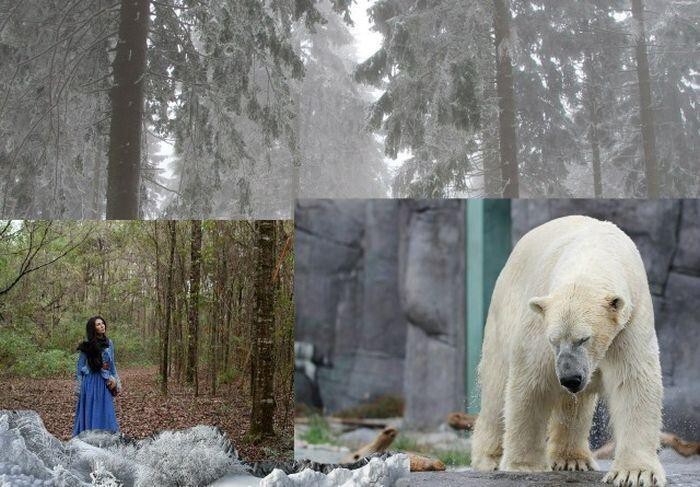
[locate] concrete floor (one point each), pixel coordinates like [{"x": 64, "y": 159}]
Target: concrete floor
[{"x": 679, "y": 472}]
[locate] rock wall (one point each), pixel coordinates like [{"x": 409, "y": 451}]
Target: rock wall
[
  {"x": 432, "y": 292},
  {"x": 667, "y": 233},
  {"x": 347, "y": 302},
  {"x": 379, "y": 292}
]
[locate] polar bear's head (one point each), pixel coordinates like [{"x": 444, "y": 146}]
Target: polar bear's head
[{"x": 581, "y": 323}]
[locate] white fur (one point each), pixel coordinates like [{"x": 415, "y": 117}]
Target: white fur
[{"x": 567, "y": 279}]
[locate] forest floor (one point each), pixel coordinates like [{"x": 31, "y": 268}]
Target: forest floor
[{"x": 143, "y": 411}]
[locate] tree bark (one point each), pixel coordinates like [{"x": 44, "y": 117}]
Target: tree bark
[
  {"x": 165, "y": 336},
  {"x": 506, "y": 100},
  {"x": 645, "y": 110},
  {"x": 262, "y": 360},
  {"x": 193, "y": 318},
  {"x": 97, "y": 195},
  {"x": 127, "y": 99},
  {"x": 593, "y": 138}
]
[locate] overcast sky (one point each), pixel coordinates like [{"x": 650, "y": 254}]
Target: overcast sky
[{"x": 366, "y": 40}]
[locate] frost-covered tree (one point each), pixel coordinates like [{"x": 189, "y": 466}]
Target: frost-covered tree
[
  {"x": 53, "y": 107},
  {"x": 578, "y": 100},
  {"x": 75, "y": 78},
  {"x": 316, "y": 144},
  {"x": 429, "y": 70},
  {"x": 340, "y": 157}
]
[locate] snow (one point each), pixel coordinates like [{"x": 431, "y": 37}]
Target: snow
[
  {"x": 394, "y": 471},
  {"x": 31, "y": 456}
]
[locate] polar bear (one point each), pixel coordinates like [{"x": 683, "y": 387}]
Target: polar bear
[{"x": 571, "y": 317}]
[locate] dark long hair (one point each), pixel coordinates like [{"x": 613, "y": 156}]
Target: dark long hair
[{"x": 92, "y": 346}]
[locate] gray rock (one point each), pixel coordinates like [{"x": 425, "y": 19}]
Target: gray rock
[
  {"x": 678, "y": 329},
  {"x": 432, "y": 288},
  {"x": 652, "y": 225},
  {"x": 688, "y": 257}
]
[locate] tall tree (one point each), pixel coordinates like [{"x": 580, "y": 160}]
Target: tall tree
[
  {"x": 645, "y": 102},
  {"x": 506, "y": 99},
  {"x": 262, "y": 358},
  {"x": 127, "y": 97},
  {"x": 593, "y": 113},
  {"x": 169, "y": 305},
  {"x": 193, "y": 318},
  {"x": 429, "y": 69}
]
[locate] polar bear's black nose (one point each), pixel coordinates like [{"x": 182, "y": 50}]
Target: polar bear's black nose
[{"x": 572, "y": 382}]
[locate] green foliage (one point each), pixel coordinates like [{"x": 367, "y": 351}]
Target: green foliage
[
  {"x": 228, "y": 376},
  {"x": 44, "y": 363},
  {"x": 19, "y": 355},
  {"x": 132, "y": 348},
  {"x": 318, "y": 432},
  {"x": 454, "y": 458}
]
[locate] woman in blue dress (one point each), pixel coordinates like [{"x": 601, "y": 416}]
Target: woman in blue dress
[{"x": 97, "y": 380}]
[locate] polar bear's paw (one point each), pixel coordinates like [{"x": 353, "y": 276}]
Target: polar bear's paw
[
  {"x": 635, "y": 478},
  {"x": 486, "y": 463},
  {"x": 577, "y": 462}
]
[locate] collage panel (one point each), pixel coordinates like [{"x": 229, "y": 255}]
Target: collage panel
[
  {"x": 231, "y": 109},
  {"x": 281, "y": 243},
  {"x": 145, "y": 352},
  {"x": 418, "y": 331}
]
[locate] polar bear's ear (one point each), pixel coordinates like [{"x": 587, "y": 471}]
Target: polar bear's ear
[
  {"x": 619, "y": 308},
  {"x": 539, "y": 304}
]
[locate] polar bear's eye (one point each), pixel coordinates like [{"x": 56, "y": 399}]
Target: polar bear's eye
[{"x": 582, "y": 341}]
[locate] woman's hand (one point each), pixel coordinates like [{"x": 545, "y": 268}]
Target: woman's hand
[{"x": 111, "y": 384}]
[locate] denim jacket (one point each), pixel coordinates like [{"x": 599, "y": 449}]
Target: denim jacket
[{"x": 83, "y": 368}]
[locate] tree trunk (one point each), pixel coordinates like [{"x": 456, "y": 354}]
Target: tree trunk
[
  {"x": 165, "y": 336},
  {"x": 262, "y": 360},
  {"x": 645, "y": 109},
  {"x": 127, "y": 98},
  {"x": 593, "y": 138},
  {"x": 193, "y": 318},
  {"x": 506, "y": 100},
  {"x": 97, "y": 194}
]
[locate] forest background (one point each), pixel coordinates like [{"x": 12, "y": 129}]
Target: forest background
[
  {"x": 247, "y": 104},
  {"x": 182, "y": 300}
]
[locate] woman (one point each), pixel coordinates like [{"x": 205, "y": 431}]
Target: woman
[{"x": 97, "y": 380}]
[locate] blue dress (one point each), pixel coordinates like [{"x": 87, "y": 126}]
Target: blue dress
[{"x": 95, "y": 409}]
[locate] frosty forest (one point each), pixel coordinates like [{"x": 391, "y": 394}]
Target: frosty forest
[
  {"x": 233, "y": 108},
  {"x": 200, "y": 313}
]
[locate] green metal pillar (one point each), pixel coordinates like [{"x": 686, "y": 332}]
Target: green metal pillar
[{"x": 488, "y": 244}]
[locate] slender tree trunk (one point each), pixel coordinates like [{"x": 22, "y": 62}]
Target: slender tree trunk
[
  {"x": 103, "y": 274},
  {"x": 165, "y": 336},
  {"x": 97, "y": 194},
  {"x": 506, "y": 100},
  {"x": 593, "y": 138},
  {"x": 645, "y": 109},
  {"x": 127, "y": 98},
  {"x": 262, "y": 360},
  {"x": 193, "y": 318}
]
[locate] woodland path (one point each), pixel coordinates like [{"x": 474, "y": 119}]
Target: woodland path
[{"x": 143, "y": 411}]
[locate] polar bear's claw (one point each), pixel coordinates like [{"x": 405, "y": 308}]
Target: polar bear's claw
[
  {"x": 634, "y": 478},
  {"x": 575, "y": 464}
]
